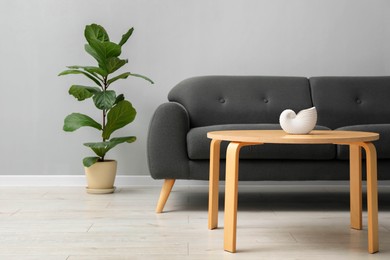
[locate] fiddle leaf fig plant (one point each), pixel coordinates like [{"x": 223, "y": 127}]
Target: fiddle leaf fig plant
[{"x": 116, "y": 111}]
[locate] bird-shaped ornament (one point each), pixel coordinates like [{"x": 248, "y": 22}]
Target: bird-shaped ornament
[{"x": 301, "y": 123}]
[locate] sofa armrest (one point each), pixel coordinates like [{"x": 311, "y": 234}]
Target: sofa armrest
[{"x": 166, "y": 145}]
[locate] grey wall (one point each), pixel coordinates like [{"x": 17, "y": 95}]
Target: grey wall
[{"x": 173, "y": 40}]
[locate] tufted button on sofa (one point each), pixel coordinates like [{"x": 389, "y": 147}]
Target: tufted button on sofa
[{"x": 179, "y": 149}]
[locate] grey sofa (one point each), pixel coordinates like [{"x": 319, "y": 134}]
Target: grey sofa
[{"x": 178, "y": 148}]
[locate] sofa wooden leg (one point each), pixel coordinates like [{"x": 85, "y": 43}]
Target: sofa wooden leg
[{"x": 164, "y": 194}]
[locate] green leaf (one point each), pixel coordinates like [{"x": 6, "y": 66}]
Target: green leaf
[
  {"x": 94, "y": 54},
  {"x": 95, "y": 32},
  {"x": 114, "y": 63},
  {"x": 102, "y": 51},
  {"x": 121, "y": 76},
  {"x": 104, "y": 100},
  {"x": 143, "y": 77},
  {"x": 89, "y": 161},
  {"x": 126, "y": 36},
  {"x": 73, "y": 71},
  {"x": 105, "y": 50},
  {"x": 101, "y": 148},
  {"x": 83, "y": 92},
  {"x": 126, "y": 75},
  {"x": 90, "y": 69},
  {"x": 76, "y": 120},
  {"x": 96, "y": 70},
  {"x": 119, "y": 98},
  {"x": 118, "y": 140},
  {"x": 119, "y": 116}
]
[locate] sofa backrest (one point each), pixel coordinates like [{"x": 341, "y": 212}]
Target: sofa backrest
[
  {"x": 212, "y": 100},
  {"x": 345, "y": 101}
]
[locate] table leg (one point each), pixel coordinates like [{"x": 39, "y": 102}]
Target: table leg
[
  {"x": 355, "y": 176},
  {"x": 214, "y": 183},
  {"x": 372, "y": 197},
  {"x": 231, "y": 192}
]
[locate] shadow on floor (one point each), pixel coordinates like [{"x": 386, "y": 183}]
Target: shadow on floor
[{"x": 254, "y": 199}]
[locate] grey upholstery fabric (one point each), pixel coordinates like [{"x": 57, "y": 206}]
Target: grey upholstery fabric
[
  {"x": 198, "y": 145},
  {"x": 217, "y": 100},
  {"x": 166, "y": 147},
  {"x": 278, "y": 170},
  {"x": 382, "y": 145},
  {"x": 287, "y": 170},
  {"x": 345, "y": 101},
  {"x": 177, "y": 147}
]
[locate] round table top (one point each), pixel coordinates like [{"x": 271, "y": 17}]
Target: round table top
[{"x": 281, "y": 137}]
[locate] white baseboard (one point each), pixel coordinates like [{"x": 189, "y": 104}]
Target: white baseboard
[
  {"x": 136, "y": 180},
  {"x": 71, "y": 180},
  {"x": 79, "y": 180}
]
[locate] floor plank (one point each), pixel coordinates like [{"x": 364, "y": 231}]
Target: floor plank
[{"x": 274, "y": 222}]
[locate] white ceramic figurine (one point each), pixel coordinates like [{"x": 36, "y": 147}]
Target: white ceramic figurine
[{"x": 301, "y": 123}]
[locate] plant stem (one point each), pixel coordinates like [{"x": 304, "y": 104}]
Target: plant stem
[
  {"x": 105, "y": 86},
  {"x": 104, "y": 111},
  {"x": 104, "y": 121}
]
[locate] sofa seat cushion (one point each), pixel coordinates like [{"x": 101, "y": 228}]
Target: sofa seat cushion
[
  {"x": 198, "y": 145},
  {"x": 382, "y": 145}
]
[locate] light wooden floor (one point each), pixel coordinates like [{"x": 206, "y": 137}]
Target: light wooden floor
[{"x": 274, "y": 222}]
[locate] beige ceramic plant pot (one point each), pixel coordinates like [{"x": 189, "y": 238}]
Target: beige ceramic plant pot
[{"x": 101, "y": 177}]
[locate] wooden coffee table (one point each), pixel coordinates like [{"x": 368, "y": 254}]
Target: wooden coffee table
[{"x": 240, "y": 138}]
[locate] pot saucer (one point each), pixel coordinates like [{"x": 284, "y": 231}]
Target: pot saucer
[{"x": 100, "y": 191}]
